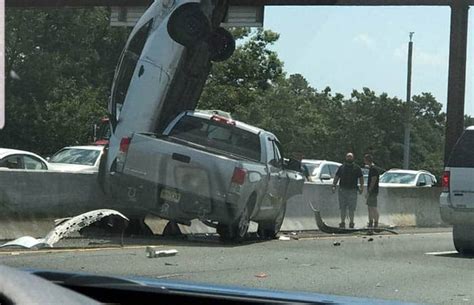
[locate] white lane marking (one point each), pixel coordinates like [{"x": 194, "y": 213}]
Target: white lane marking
[{"x": 441, "y": 253}]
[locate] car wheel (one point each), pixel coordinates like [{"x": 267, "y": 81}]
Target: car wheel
[
  {"x": 221, "y": 44},
  {"x": 237, "y": 231},
  {"x": 463, "y": 238},
  {"x": 188, "y": 25},
  {"x": 270, "y": 229}
]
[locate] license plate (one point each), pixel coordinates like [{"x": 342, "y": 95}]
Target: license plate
[{"x": 170, "y": 195}]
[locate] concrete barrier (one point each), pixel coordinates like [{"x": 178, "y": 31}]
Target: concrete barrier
[
  {"x": 43, "y": 194},
  {"x": 397, "y": 207},
  {"x": 30, "y": 200}
]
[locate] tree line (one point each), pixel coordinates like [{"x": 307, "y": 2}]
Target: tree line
[{"x": 60, "y": 65}]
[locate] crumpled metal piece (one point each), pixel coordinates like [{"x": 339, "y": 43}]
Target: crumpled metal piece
[{"x": 63, "y": 228}]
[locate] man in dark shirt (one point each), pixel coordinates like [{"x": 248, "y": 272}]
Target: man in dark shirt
[
  {"x": 348, "y": 174},
  {"x": 372, "y": 190}
]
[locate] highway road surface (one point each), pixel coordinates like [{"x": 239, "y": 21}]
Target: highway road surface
[{"x": 416, "y": 266}]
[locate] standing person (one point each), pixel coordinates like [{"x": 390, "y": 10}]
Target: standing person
[
  {"x": 372, "y": 190},
  {"x": 348, "y": 174}
]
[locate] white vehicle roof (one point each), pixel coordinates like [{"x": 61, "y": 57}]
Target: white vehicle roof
[
  {"x": 8, "y": 151},
  {"x": 408, "y": 171},
  {"x": 87, "y": 147},
  {"x": 312, "y": 161},
  {"x": 470, "y": 127}
]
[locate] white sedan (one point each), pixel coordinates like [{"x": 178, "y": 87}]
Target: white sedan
[
  {"x": 407, "y": 178},
  {"x": 77, "y": 159},
  {"x": 20, "y": 159},
  {"x": 321, "y": 171}
]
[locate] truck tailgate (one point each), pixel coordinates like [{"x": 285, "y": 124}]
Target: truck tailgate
[{"x": 180, "y": 167}]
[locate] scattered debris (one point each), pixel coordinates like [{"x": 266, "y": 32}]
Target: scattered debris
[
  {"x": 26, "y": 242},
  {"x": 261, "y": 275},
  {"x": 323, "y": 227},
  {"x": 152, "y": 252},
  {"x": 283, "y": 237},
  {"x": 334, "y": 268},
  {"x": 370, "y": 239},
  {"x": 378, "y": 285},
  {"x": 170, "y": 264},
  {"x": 63, "y": 228},
  {"x": 336, "y": 243}
]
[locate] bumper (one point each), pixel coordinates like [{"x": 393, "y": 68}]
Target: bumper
[
  {"x": 145, "y": 196},
  {"x": 454, "y": 216}
]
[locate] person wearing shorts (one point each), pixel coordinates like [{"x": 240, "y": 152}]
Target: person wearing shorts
[
  {"x": 372, "y": 190},
  {"x": 347, "y": 175}
]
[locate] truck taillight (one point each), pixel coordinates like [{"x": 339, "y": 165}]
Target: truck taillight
[
  {"x": 445, "y": 181},
  {"x": 124, "y": 144},
  {"x": 239, "y": 176}
]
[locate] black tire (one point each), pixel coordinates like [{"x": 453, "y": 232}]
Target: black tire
[
  {"x": 221, "y": 45},
  {"x": 138, "y": 227},
  {"x": 237, "y": 231},
  {"x": 270, "y": 229},
  {"x": 463, "y": 238},
  {"x": 172, "y": 230},
  {"x": 188, "y": 25}
]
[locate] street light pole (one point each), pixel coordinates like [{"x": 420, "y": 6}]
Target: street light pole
[{"x": 406, "y": 139}]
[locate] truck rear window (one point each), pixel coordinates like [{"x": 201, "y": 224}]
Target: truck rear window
[
  {"x": 463, "y": 152},
  {"x": 218, "y": 136}
]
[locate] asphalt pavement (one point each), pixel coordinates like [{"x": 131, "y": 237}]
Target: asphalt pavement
[{"x": 418, "y": 265}]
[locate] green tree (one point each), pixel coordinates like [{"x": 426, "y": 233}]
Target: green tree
[{"x": 59, "y": 66}]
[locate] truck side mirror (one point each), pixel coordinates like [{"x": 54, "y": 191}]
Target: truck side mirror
[{"x": 293, "y": 165}]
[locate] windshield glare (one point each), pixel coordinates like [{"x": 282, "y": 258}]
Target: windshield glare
[
  {"x": 76, "y": 156},
  {"x": 401, "y": 178}
]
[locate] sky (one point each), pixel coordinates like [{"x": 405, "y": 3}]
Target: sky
[{"x": 349, "y": 48}]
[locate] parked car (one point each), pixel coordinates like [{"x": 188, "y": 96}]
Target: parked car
[
  {"x": 321, "y": 171},
  {"x": 457, "y": 196},
  {"x": 407, "y": 178},
  {"x": 208, "y": 167},
  {"x": 20, "y": 159},
  {"x": 77, "y": 159}
]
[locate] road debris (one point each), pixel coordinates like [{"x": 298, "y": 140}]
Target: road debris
[
  {"x": 170, "y": 264},
  {"x": 152, "y": 252},
  {"x": 261, "y": 275},
  {"x": 378, "y": 285},
  {"x": 370, "y": 239},
  {"x": 283, "y": 237},
  {"x": 63, "y": 227},
  {"x": 336, "y": 243}
]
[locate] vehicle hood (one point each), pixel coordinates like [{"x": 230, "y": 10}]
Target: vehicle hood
[
  {"x": 396, "y": 185},
  {"x": 65, "y": 167}
]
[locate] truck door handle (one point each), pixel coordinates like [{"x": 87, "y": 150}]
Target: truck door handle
[
  {"x": 181, "y": 158},
  {"x": 458, "y": 194}
]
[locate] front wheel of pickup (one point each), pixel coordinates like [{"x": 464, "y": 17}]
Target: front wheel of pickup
[
  {"x": 237, "y": 231},
  {"x": 269, "y": 229},
  {"x": 463, "y": 238}
]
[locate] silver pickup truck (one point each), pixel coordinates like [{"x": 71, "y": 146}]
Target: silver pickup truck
[{"x": 208, "y": 167}]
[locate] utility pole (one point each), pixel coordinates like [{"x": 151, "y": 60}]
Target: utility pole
[{"x": 406, "y": 139}]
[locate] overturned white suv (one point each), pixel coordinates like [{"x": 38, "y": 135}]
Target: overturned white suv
[{"x": 457, "y": 197}]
